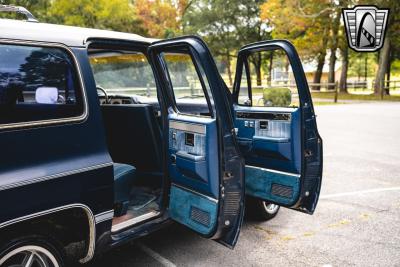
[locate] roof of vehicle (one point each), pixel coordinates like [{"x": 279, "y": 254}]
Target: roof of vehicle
[{"x": 68, "y": 35}]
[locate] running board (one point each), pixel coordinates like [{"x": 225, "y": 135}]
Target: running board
[{"x": 120, "y": 226}]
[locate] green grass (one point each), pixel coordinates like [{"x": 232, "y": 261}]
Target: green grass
[
  {"x": 346, "y": 96},
  {"x": 325, "y": 103}
]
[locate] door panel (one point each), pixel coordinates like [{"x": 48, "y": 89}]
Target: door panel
[
  {"x": 193, "y": 153},
  {"x": 203, "y": 161},
  {"x": 276, "y": 127},
  {"x": 267, "y": 139}
]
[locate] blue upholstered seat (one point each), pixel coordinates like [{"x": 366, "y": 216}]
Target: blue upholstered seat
[{"x": 124, "y": 175}]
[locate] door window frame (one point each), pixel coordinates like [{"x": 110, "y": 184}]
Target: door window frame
[
  {"x": 182, "y": 49},
  {"x": 243, "y": 55}
]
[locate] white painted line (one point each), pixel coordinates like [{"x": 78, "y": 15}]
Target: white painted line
[
  {"x": 360, "y": 192},
  {"x": 155, "y": 255}
]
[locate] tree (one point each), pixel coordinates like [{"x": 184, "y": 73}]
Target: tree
[
  {"x": 160, "y": 18},
  {"x": 37, "y": 7},
  {"x": 105, "y": 14},
  {"x": 384, "y": 55},
  {"x": 334, "y": 41},
  {"x": 344, "y": 50},
  {"x": 226, "y": 26},
  {"x": 391, "y": 44},
  {"x": 306, "y": 23}
]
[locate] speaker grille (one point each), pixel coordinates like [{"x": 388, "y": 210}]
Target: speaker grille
[
  {"x": 200, "y": 216},
  {"x": 282, "y": 190},
  {"x": 232, "y": 203}
]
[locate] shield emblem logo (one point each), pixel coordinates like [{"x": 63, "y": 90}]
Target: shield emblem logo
[{"x": 365, "y": 27}]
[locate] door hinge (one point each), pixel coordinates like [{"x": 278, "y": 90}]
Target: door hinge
[
  {"x": 308, "y": 153},
  {"x": 228, "y": 175}
]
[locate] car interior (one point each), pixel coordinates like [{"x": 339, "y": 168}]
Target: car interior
[
  {"x": 133, "y": 133},
  {"x": 133, "y": 127}
]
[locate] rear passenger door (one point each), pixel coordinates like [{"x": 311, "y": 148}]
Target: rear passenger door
[
  {"x": 203, "y": 161},
  {"x": 276, "y": 126}
]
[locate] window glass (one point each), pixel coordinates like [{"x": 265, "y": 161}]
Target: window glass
[
  {"x": 186, "y": 83},
  {"x": 124, "y": 73},
  {"x": 272, "y": 80},
  {"x": 37, "y": 83}
]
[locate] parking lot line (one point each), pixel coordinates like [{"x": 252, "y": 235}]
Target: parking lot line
[
  {"x": 360, "y": 192},
  {"x": 155, "y": 255}
]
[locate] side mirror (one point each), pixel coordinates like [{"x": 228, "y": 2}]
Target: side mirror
[
  {"x": 247, "y": 102},
  {"x": 46, "y": 95}
]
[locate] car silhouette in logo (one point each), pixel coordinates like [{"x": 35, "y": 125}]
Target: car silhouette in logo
[{"x": 365, "y": 27}]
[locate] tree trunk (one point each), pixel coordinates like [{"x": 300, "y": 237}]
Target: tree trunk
[
  {"x": 388, "y": 74},
  {"x": 228, "y": 66},
  {"x": 382, "y": 67},
  {"x": 343, "y": 74},
  {"x": 318, "y": 72},
  {"x": 258, "y": 74},
  {"x": 332, "y": 62},
  {"x": 334, "y": 46},
  {"x": 271, "y": 61},
  {"x": 257, "y": 66},
  {"x": 320, "y": 63}
]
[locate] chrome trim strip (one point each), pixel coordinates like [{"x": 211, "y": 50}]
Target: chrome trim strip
[
  {"x": 91, "y": 221},
  {"x": 275, "y": 171},
  {"x": 196, "y": 193},
  {"x": 104, "y": 216},
  {"x": 54, "y": 176},
  {"x": 187, "y": 127},
  {"x": 120, "y": 226},
  {"x": 82, "y": 85}
]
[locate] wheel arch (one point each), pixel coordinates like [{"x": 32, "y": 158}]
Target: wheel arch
[{"x": 91, "y": 224}]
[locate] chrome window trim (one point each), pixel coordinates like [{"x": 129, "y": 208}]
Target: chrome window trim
[
  {"x": 187, "y": 126},
  {"x": 89, "y": 214},
  {"x": 275, "y": 171},
  {"x": 82, "y": 87},
  {"x": 54, "y": 176}
]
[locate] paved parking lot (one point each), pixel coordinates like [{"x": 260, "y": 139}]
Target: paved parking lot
[{"x": 357, "y": 221}]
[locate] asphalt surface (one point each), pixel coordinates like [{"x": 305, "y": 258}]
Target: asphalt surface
[{"x": 357, "y": 221}]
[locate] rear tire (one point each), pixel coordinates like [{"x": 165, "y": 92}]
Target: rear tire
[
  {"x": 261, "y": 210},
  {"x": 34, "y": 249}
]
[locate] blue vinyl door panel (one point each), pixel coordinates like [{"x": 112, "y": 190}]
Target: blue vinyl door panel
[
  {"x": 270, "y": 141},
  {"x": 281, "y": 145},
  {"x": 194, "y": 167}
]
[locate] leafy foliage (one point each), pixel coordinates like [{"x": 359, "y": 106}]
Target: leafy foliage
[
  {"x": 105, "y": 14},
  {"x": 159, "y": 18},
  {"x": 277, "y": 97}
]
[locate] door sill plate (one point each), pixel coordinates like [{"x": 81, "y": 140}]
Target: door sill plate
[{"x": 122, "y": 225}]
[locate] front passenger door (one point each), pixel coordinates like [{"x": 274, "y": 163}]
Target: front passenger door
[{"x": 276, "y": 126}]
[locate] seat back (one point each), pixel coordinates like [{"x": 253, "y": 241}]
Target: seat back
[{"x": 133, "y": 136}]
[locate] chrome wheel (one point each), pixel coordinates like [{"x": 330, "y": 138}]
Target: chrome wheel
[
  {"x": 270, "y": 208},
  {"x": 29, "y": 256}
]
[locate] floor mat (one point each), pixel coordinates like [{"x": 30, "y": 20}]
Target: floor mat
[{"x": 140, "y": 199}]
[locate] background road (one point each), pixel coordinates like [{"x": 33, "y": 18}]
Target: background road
[{"x": 357, "y": 221}]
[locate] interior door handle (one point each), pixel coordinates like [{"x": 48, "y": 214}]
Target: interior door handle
[{"x": 188, "y": 156}]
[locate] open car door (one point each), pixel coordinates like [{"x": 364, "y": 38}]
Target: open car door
[
  {"x": 276, "y": 126},
  {"x": 203, "y": 161}
]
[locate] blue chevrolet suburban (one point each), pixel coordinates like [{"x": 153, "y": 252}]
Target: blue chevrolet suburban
[{"x": 107, "y": 136}]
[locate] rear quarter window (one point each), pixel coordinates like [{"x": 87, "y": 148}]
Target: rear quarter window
[{"x": 37, "y": 84}]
